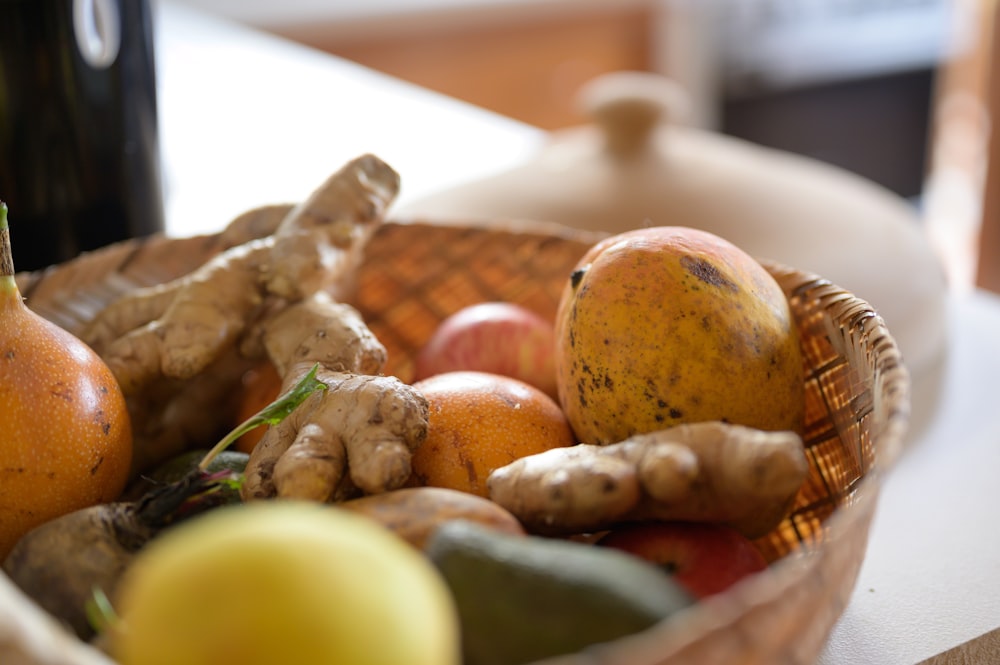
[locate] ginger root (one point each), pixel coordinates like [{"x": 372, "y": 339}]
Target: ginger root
[
  {"x": 180, "y": 349},
  {"x": 177, "y": 329},
  {"x": 358, "y": 435},
  {"x": 708, "y": 472}
]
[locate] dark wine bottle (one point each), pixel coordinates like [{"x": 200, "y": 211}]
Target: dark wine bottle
[{"x": 79, "y": 151}]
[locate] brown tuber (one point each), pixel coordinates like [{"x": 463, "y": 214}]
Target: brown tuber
[
  {"x": 357, "y": 437},
  {"x": 413, "y": 513},
  {"x": 179, "y": 349},
  {"x": 706, "y": 472},
  {"x": 60, "y": 563}
]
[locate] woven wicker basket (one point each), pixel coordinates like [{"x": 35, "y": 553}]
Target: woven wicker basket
[{"x": 857, "y": 393}]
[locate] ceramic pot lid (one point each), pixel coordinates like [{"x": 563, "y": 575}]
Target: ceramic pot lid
[{"x": 633, "y": 167}]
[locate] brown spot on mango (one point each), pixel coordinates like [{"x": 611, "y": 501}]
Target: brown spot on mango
[{"x": 706, "y": 272}]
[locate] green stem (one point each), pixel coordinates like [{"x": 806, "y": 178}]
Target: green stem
[
  {"x": 100, "y": 613},
  {"x": 272, "y": 414},
  {"x": 6, "y": 253}
]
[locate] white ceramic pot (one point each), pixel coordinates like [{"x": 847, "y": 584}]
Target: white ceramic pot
[{"x": 633, "y": 168}]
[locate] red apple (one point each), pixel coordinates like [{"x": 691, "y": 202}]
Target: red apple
[
  {"x": 705, "y": 559},
  {"x": 496, "y": 337}
]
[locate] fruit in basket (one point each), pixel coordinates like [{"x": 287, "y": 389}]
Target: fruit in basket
[
  {"x": 667, "y": 325},
  {"x": 478, "y": 422},
  {"x": 522, "y": 599},
  {"x": 703, "y": 558},
  {"x": 283, "y": 582},
  {"x": 67, "y": 437},
  {"x": 60, "y": 563},
  {"x": 496, "y": 337}
]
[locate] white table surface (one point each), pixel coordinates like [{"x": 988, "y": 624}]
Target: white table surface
[
  {"x": 247, "y": 120},
  {"x": 931, "y": 576}
]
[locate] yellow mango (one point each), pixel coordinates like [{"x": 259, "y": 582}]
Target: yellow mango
[{"x": 667, "y": 325}]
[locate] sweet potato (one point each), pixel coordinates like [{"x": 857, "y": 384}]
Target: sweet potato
[{"x": 413, "y": 513}]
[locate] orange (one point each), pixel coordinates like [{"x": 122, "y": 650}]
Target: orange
[{"x": 479, "y": 422}]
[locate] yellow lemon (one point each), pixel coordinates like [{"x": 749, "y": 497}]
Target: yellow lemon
[{"x": 283, "y": 582}]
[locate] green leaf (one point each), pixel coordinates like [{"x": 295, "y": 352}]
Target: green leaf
[{"x": 272, "y": 414}]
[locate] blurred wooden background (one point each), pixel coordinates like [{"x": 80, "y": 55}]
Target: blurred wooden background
[
  {"x": 525, "y": 64},
  {"x": 925, "y": 134},
  {"x": 963, "y": 186}
]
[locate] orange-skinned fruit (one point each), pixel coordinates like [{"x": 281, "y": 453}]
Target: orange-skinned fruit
[
  {"x": 479, "y": 422},
  {"x": 67, "y": 438},
  {"x": 667, "y": 325}
]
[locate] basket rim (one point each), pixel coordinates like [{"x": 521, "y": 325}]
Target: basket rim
[
  {"x": 717, "y": 613},
  {"x": 891, "y": 377}
]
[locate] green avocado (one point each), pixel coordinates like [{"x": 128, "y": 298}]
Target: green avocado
[{"x": 524, "y": 598}]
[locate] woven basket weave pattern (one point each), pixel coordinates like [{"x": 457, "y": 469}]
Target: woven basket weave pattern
[
  {"x": 856, "y": 409},
  {"x": 415, "y": 274}
]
